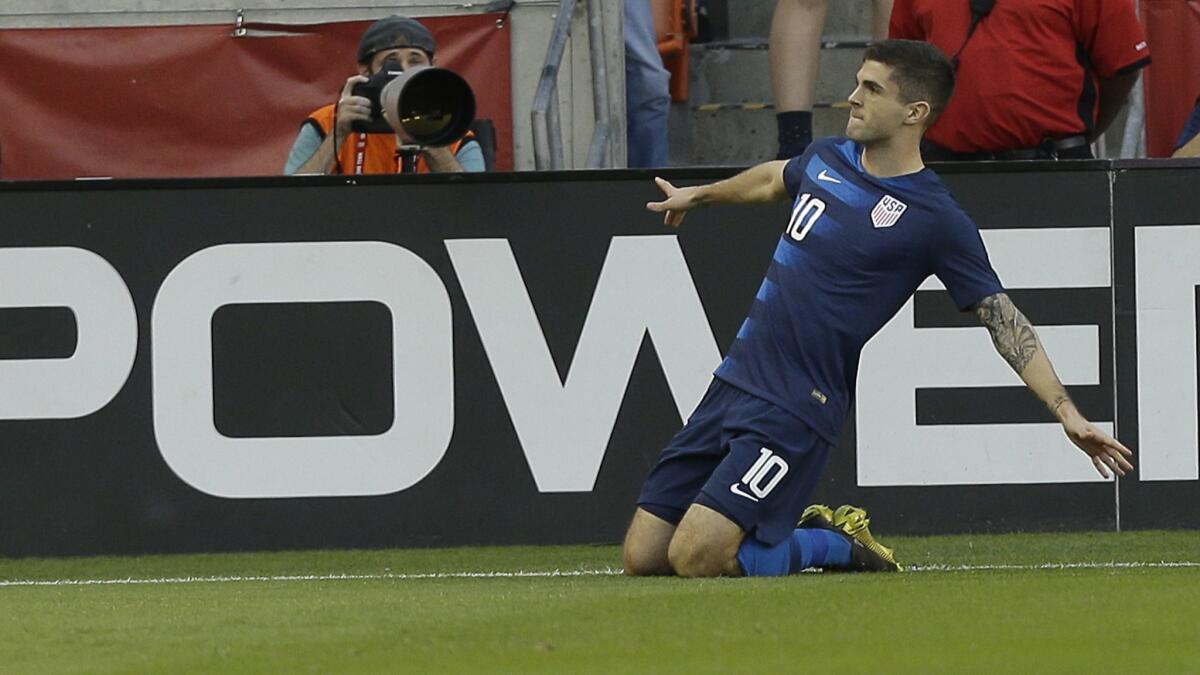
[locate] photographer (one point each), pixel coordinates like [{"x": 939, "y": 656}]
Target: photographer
[{"x": 328, "y": 142}]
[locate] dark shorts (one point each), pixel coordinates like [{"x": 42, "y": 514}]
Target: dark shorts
[{"x": 744, "y": 457}]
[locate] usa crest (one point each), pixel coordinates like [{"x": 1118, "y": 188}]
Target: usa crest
[{"x": 887, "y": 211}]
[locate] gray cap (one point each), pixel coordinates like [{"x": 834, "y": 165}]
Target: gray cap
[{"x": 394, "y": 32}]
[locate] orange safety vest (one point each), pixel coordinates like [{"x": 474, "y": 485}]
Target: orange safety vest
[{"x": 369, "y": 153}]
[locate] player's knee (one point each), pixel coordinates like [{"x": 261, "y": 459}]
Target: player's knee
[
  {"x": 705, "y": 544},
  {"x": 641, "y": 560},
  {"x": 644, "y": 556},
  {"x": 645, "y": 550},
  {"x": 690, "y": 557},
  {"x": 684, "y": 560}
]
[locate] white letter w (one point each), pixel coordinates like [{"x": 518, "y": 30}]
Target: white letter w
[{"x": 564, "y": 429}]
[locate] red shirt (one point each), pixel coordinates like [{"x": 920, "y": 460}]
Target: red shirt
[{"x": 1030, "y": 71}]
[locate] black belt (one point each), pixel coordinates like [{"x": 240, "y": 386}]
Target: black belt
[{"x": 1071, "y": 147}]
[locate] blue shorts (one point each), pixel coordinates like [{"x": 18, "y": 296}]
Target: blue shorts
[{"x": 746, "y": 458}]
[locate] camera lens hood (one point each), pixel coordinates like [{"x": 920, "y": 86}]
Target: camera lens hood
[{"x": 435, "y": 106}]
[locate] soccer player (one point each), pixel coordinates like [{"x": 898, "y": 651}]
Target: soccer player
[{"x": 869, "y": 223}]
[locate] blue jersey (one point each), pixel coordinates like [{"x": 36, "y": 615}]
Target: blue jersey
[{"x": 855, "y": 250}]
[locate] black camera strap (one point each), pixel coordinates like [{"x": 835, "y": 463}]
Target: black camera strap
[
  {"x": 979, "y": 11},
  {"x": 337, "y": 158},
  {"x": 360, "y": 148}
]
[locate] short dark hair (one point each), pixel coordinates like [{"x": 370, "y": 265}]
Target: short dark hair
[{"x": 921, "y": 71}]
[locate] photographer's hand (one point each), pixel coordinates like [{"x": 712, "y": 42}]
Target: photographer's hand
[
  {"x": 441, "y": 160},
  {"x": 351, "y": 108}
]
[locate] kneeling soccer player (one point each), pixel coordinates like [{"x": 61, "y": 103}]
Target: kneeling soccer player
[{"x": 869, "y": 223}]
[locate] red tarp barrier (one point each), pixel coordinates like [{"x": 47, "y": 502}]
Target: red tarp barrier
[
  {"x": 1173, "y": 79},
  {"x": 196, "y": 101}
]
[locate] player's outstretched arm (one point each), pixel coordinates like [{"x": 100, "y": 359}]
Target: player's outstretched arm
[
  {"x": 1017, "y": 341},
  {"x": 762, "y": 183}
]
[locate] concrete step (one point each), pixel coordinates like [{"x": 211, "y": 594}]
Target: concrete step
[
  {"x": 742, "y": 134},
  {"x": 752, "y": 18},
  {"x": 741, "y": 71}
]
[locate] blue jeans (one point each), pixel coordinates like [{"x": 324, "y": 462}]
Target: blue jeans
[
  {"x": 1190, "y": 129},
  {"x": 647, "y": 93}
]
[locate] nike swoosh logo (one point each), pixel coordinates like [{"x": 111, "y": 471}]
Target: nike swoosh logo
[
  {"x": 826, "y": 177},
  {"x": 737, "y": 490}
]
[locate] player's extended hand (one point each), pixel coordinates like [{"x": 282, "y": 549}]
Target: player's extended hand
[
  {"x": 678, "y": 202},
  {"x": 1106, "y": 452}
]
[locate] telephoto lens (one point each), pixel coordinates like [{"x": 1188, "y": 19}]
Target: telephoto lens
[{"x": 434, "y": 106}]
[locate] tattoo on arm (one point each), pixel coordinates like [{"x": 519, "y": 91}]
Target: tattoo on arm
[{"x": 1011, "y": 332}]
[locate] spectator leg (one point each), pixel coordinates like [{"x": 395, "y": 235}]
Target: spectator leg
[
  {"x": 647, "y": 89},
  {"x": 881, "y": 14},
  {"x": 795, "y": 57}
]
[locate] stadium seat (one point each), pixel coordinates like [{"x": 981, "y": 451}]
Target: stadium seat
[{"x": 485, "y": 135}]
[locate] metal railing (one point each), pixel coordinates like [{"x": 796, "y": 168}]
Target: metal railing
[{"x": 545, "y": 118}]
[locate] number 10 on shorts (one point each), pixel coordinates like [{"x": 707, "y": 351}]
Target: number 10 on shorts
[{"x": 760, "y": 480}]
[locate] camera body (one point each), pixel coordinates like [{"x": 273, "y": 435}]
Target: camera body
[{"x": 372, "y": 90}]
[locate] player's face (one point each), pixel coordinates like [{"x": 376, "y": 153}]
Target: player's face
[{"x": 876, "y": 111}]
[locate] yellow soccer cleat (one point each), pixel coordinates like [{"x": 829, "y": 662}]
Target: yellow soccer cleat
[
  {"x": 869, "y": 555},
  {"x": 817, "y": 515}
]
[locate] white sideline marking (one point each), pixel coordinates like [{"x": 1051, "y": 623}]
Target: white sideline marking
[
  {"x": 1050, "y": 566},
  {"x": 607, "y": 571},
  {"x": 603, "y": 572}
]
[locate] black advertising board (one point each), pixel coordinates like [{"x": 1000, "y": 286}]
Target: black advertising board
[
  {"x": 316, "y": 363},
  {"x": 102, "y": 482},
  {"x": 1157, "y": 233}
]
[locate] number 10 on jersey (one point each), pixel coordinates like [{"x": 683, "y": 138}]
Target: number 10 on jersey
[{"x": 804, "y": 215}]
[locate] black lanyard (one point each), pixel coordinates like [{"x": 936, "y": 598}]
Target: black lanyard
[{"x": 979, "y": 10}]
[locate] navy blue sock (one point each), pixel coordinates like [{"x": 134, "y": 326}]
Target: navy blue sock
[
  {"x": 807, "y": 547},
  {"x": 795, "y": 132}
]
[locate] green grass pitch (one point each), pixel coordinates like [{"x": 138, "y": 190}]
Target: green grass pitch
[{"x": 1078, "y": 603}]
